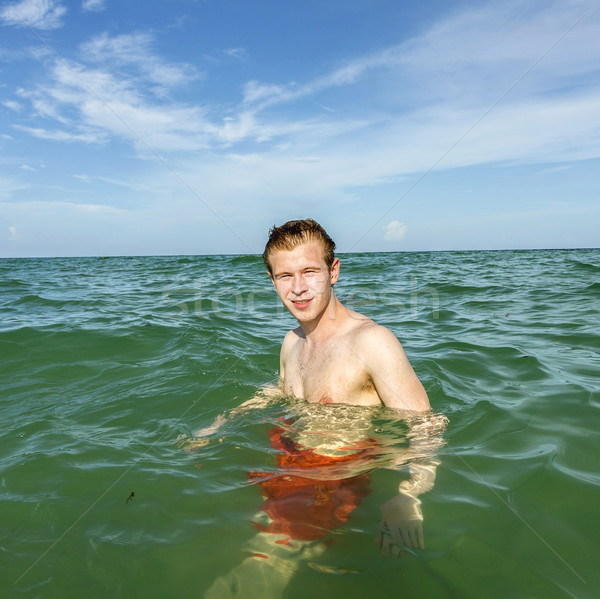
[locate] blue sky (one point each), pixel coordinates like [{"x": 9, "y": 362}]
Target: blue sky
[{"x": 191, "y": 127}]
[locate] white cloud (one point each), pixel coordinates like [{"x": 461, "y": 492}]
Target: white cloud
[
  {"x": 461, "y": 113},
  {"x": 509, "y": 38},
  {"x": 395, "y": 231},
  {"x": 474, "y": 56},
  {"x": 46, "y": 108},
  {"x": 84, "y": 178},
  {"x": 12, "y": 105},
  {"x": 117, "y": 97},
  {"x": 93, "y": 5},
  {"x": 254, "y": 90},
  {"x": 43, "y": 206},
  {"x": 94, "y": 103},
  {"x": 13, "y": 231},
  {"x": 235, "y": 52},
  {"x": 57, "y": 135},
  {"x": 132, "y": 186},
  {"x": 39, "y": 14},
  {"x": 136, "y": 50},
  {"x": 478, "y": 54}
]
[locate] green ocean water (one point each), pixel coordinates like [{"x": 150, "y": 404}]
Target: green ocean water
[{"x": 106, "y": 362}]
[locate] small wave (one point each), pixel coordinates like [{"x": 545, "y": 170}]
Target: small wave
[
  {"x": 245, "y": 259},
  {"x": 13, "y": 284},
  {"x": 577, "y": 474},
  {"x": 454, "y": 288},
  {"x": 584, "y": 266},
  {"x": 489, "y": 305},
  {"x": 34, "y": 298}
]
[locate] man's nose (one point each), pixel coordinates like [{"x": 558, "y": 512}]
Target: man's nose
[{"x": 298, "y": 285}]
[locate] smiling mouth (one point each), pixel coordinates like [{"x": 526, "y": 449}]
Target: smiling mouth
[{"x": 301, "y": 303}]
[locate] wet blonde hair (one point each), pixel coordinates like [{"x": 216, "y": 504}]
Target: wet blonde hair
[{"x": 296, "y": 232}]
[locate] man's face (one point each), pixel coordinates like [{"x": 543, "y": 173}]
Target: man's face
[{"x": 302, "y": 280}]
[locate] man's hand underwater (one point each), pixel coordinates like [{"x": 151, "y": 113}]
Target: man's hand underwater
[
  {"x": 402, "y": 525},
  {"x": 200, "y": 438}
]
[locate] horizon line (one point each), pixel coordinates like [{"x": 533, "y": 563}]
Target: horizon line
[{"x": 258, "y": 255}]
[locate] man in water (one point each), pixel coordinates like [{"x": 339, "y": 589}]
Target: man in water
[{"x": 336, "y": 355}]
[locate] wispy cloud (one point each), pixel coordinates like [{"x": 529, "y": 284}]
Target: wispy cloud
[
  {"x": 453, "y": 72},
  {"x": 471, "y": 57},
  {"x": 93, "y": 5},
  {"x": 58, "y": 135},
  {"x": 255, "y": 91},
  {"x": 39, "y": 14},
  {"x": 348, "y": 139},
  {"x": 235, "y": 52},
  {"x": 119, "y": 93},
  {"x": 135, "y": 52},
  {"x": 133, "y": 186},
  {"x": 12, "y": 105}
]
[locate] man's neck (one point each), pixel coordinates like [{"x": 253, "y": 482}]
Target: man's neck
[{"x": 327, "y": 324}]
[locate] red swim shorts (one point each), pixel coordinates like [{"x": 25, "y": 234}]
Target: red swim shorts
[{"x": 304, "y": 507}]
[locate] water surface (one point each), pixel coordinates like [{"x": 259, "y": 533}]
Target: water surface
[{"x": 106, "y": 362}]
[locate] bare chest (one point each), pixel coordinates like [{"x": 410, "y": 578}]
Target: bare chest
[{"x": 329, "y": 375}]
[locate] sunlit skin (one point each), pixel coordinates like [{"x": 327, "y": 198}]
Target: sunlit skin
[{"x": 337, "y": 355}]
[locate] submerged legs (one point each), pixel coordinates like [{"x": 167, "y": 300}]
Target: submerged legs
[{"x": 271, "y": 563}]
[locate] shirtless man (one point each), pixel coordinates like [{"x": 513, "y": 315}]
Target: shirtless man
[{"x": 336, "y": 355}]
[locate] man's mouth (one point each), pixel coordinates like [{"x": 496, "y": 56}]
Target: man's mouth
[{"x": 302, "y": 303}]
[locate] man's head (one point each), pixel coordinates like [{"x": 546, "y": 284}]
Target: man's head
[
  {"x": 294, "y": 233},
  {"x": 303, "y": 269}
]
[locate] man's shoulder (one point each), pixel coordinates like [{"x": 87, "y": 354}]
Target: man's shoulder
[
  {"x": 294, "y": 334},
  {"x": 374, "y": 343},
  {"x": 291, "y": 338},
  {"x": 364, "y": 329},
  {"x": 368, "y": 333}
]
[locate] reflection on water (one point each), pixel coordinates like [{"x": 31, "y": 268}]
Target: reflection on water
[{"x": 325, "y": 456}]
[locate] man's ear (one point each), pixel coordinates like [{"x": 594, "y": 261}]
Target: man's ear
[
  {"x": 334, "y": 272},
  {"x": 272, "y": 280}
]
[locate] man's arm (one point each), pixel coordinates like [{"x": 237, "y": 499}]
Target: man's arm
[
  {"x": 259, "y": 400},
  {"x": 402, "y": 518},
  {"x": 289, "y": 341},
  {"x": 394, "y": 378}
]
